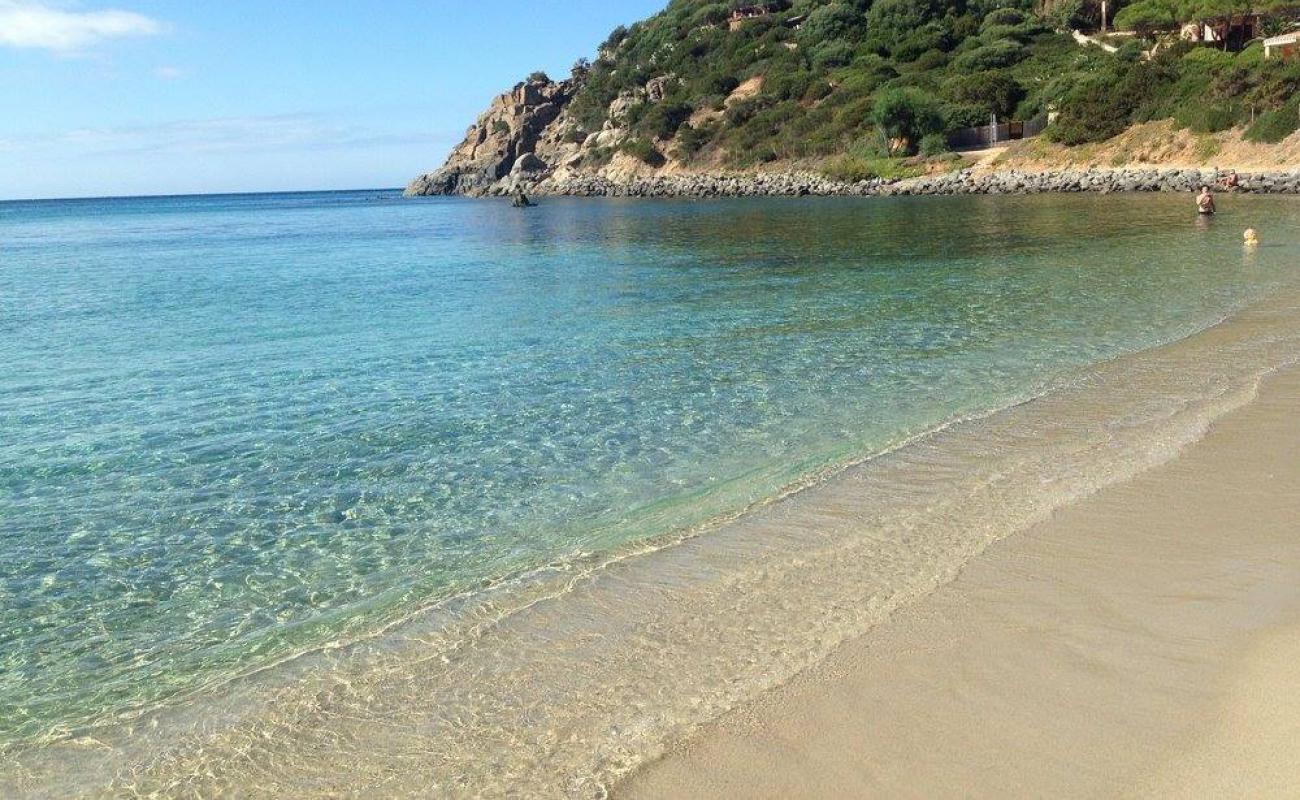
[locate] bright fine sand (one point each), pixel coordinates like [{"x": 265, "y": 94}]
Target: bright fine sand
[{"x": 1143, "y": 642}]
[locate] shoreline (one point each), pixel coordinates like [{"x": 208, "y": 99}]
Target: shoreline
[
  {"x": 670, "y": 641},
  {"x": 806, "y": 183},
  {"x": 1138, "y": 643}
]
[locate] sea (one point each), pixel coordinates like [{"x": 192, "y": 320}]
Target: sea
[{"x": 347, "y": 494}]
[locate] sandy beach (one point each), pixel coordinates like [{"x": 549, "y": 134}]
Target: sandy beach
[
  {"x": 1010, "y": 524},
  {"x": 1143, "y": 642}
]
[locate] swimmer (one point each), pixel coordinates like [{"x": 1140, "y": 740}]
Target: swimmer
[
  {"x": 1205, "y": 201},
  {"x": 1249, "y": 239}
]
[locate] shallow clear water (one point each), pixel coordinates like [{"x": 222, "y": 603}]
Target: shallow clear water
[{"x": 233, "y": 429}]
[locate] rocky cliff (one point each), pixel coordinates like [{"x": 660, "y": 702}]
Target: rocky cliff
[
  {"x": 500, "y": 150},
  {"x": 527, "y": 139}
]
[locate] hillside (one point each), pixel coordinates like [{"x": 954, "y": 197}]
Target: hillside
[{"x": 853, "y": 90}]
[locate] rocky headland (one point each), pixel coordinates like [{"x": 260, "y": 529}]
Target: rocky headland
[{"x": 527, "y": 141}]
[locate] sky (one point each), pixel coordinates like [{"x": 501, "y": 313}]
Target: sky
[{"x": 131, "y": 97}]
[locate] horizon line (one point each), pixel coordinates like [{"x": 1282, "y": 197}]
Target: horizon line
[{"x": 175, "y": 195}]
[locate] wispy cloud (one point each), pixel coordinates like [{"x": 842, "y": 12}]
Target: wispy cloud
[
  {"x": 40, "y": 25},
  {"x": 167, "y": 72},
  {"x": 304, "y": 131}
]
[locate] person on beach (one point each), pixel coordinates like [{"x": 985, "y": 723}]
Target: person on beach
[
  {"x": 1205, "y": 201},
  {"x": 1229, "y": 181}
]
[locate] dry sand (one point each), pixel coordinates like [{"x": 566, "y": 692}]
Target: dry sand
[
  {"x": 1153, "y": 144},
  {"x": 1144, "y": 642}
]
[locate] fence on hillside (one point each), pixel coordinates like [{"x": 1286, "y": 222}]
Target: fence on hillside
[{"x": 995, "y": 132}]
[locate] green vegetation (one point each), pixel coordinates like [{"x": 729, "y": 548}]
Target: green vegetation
[
  {"x": 1146, "y": 16},
  {"x": 643, "y": 150},
  {"x": 1276, "y": 125},
  {"x": 861, "y": 81},
  {"x": 1201, "y": 89}
]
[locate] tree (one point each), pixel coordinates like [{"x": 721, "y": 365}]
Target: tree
[
  {"x": 891, "y": 21},
  {"x": 830, "y": 22},
  {"x": 905, "y": 114},
  {"x": 994, "y": 55},
  {"x": 997, "y": 91},
  {"x": 1146, "y": 17}
]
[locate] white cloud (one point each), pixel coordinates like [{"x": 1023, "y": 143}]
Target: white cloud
[
  {"x": 28, "y": 23},
  {"x": 169, "y": 73}
]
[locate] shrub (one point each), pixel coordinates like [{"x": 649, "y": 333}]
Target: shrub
[
  {"x": 1252, "y": 56},
  {"x": 692, "y": 140},
  {"x": 995, "y": 92},
  {"x": 930, "y": 60},
  {"x": 1003, "y": 16},
  {"x": 711, "y": 14},
  {"x": 1130, "y": 51},
  {"x": 740, "y": 112},
  {"x": 1109, "y": 102},
  {"x": 1274, "y": 126},
  {"x": 500, "y": 126},
  {"x": 933, "y": 144},
  {"x": 1018, "y": 33},
  {"x": 787, "y": 84},
  {"x": 906, "y": 114},
  {"x": 892, "y": 21},
  {"x": 663, "y": 119},
  {"x": 720, "y": 83},
  {"x": 1073, "y": 14},
  {"x": 1146, "y": 16},
  {"x": 960, "y": 115},
  {"x": 1092, "y": 113},
  {"x": 829, "y": 22},
  {"x": 854, "y": 168},
  {"x": 932, "y": 36},
  {"x": 538, "y": 77},
  {"x": 1204, "y": 118},
  {"x": 574, "y": 136},
  {"x": 616, "y": 37},
  {"x": 1209, "y": 58},
  {"x": 1207, "y": 147},
  {"x": 644, "y": 151},
  {"x": 1002, "y": 53},
  {"x": 597, "y": 157},
  {"x": 835, "y": 53}
]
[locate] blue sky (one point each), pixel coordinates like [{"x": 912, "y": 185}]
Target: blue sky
[{"x": 124, "y": 97}]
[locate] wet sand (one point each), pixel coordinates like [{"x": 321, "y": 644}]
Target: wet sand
[{"x": 1144, "y": 641}]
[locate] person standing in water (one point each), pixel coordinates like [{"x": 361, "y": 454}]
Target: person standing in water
[
  {"x": 1205, "y": 201},
  {"x": 520, "y": 199}
]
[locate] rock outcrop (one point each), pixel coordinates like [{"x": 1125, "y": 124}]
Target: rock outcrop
[
  {"x": 504, "y": 141},
  {"x": 528, "y": 139}
]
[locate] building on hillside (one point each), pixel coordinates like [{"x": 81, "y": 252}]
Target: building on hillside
[
  {"x": 1286, "y": 46},
  {"x": 743, "y": 13},
  {"x": 1233, "y": 33}
]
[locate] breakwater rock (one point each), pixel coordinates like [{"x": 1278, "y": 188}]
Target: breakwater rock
[
  {"x": 798, "y": 184},
  {"x": 1094, "y": 180},
  {"x": 774, "y": 184}
]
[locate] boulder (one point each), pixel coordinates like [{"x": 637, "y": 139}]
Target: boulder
[{"x": 529, "y": 162}]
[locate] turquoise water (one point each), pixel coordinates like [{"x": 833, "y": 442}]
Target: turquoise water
[{"x": 237, "y": 428}]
